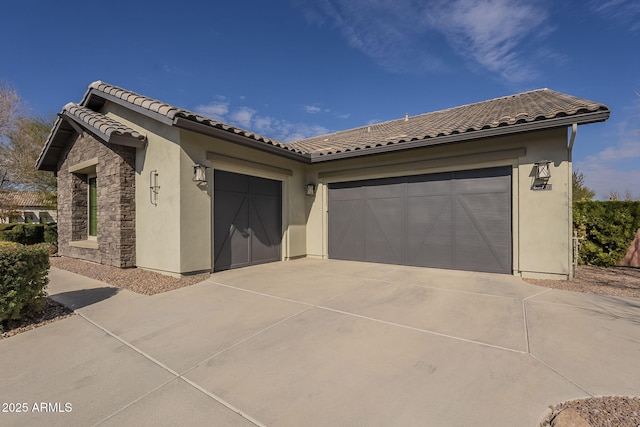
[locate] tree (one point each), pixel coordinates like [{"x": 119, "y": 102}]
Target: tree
[
  {"x": 25, "y": 142},
  {"x": 580, "y": 190},
  {"x": 11, "y": 106},
  {"x": 21, "y": 140}
]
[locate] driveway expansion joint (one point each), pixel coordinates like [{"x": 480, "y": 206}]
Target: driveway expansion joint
[{"x": 172, "y": 372}]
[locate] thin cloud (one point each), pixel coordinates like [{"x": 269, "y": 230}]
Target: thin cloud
[
  {"x": 215, "y": 110},
  {"x": 625, "y": 11},
  {"x": 390, "y": 32},
  {"x": 491, "y": 32},
  {"x": 312, "y": 109},
  {"x": 243, "y": 116},
  {"x": 250, "y": 119},
  {"x": 403, "y": 36}
]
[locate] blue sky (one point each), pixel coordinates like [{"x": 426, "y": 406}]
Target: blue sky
[{"x": 297, "y": 68}]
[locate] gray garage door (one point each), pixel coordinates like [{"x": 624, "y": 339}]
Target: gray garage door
[
  {"x": 458, "y": 220},
  {"x": 247, "y": 220}
]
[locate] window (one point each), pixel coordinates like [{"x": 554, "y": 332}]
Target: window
[{"x": 93, "y": 207}]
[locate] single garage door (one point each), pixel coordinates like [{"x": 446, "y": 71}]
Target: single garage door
[
  {"x": 457, "y": 220},
  {"x": 247, "y": 220}
]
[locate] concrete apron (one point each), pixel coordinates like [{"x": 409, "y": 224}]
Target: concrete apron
[{"x": 322, "y": 342}]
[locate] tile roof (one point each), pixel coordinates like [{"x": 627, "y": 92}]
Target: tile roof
[
  {"x": 23, "y": 198},
  {"x": 537, "y": 105},
  {"x": 172, "y": 113},
  {"x": 534, "y": 110},
  {"x": 100, "y": 122}
]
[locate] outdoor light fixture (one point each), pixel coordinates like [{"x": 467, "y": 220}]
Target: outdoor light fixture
[
  {"x": 541, "y": 174},
  {"x": 543, "y": 169},
  {"x": 311, "y": 189},
  {"x": 199, "y": 173}
]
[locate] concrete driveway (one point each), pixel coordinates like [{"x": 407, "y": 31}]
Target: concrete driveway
[{"x": 321, "y": 343}]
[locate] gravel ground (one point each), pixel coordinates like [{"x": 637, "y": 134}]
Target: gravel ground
[
  {"x": 598, "y": 412},
  {"x": 611, "y": 411},
  {"x": 617, "y": 281},
  {"x": 52, "y": 312},
  {"x": 134, "y": 279}
]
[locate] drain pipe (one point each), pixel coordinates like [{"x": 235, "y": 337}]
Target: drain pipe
[
  {"x": 572, "y": 139},
  {"x": 572, "y": 262}
]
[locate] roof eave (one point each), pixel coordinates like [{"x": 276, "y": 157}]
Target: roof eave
[
  {"x": 581, "y": 119},
  {"x": 240, "y": 139},
  {"x": 46, "y": 152},
  {"x": 111, "y": 138}
]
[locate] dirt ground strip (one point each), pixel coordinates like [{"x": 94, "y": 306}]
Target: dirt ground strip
[{"x": 616, "y": 281}]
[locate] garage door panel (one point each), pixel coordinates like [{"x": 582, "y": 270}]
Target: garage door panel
[
  {"x": 231, "y": 245},
  {"x": 384, "y": 230},
  {"x": 438, "y": 184},
  {"x": 265, "y": 241},
  {"x": 429, "y": 221},
  {"x": 458, "y": 220},
  {"x": 348, "y": 229},
  {"x": 382, "y": 189}
]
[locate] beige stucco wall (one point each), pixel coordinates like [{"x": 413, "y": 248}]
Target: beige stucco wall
[
  {"x": 158, "y": 226},
  {"x": 176, "y": 235},
  {"x": 540, "y": 219}
]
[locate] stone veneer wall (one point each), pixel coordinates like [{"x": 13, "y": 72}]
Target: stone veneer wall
[{"x": 115, "y": 173}]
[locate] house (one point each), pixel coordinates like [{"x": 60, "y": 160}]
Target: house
[
  {"x": 26, "y": 206},
  {"x": 481, "y": 187}
]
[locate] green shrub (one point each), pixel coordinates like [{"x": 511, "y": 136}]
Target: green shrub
[
  {"x": 606, "y": 229},
  {"x": 4, "y": 227},
  {"x": 51, "y": 234},
  {"x": 26, "y": 234},
  {"x": 23, "y": 279}
]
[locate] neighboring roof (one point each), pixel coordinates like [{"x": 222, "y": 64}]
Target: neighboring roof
[
  {"x": 543, "y": 105},
  {"x": 23, "y": 199},
  {"x": 524, "y": 112}
]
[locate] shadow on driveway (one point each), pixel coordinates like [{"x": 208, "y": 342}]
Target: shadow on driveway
[{"x": 84, "y": 297}]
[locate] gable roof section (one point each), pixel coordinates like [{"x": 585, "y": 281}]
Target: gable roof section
[
  {"x": 524, "y": 112},
  {"x": 99, "y": 92},
  {"x": 539, "y": 109},
  {"x": 75, "y": 119}
]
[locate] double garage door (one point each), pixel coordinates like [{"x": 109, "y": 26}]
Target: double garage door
[{"x": 457, "y": 220}]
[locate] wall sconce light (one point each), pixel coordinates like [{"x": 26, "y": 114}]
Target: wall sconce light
[
  {"x": 199, "y": 173},
  {"x": 311, "y": 189},
  {"x": 542, "y": 173},
  {"x": 154, "y": 188},
  {"x": 543, "y": 169}
]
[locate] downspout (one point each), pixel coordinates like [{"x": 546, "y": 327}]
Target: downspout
[{"x": 572, "y": 139}]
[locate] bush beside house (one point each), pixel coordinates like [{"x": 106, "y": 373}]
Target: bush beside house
[
  {"x": 23, "y": 278},
  {"x": 29, "y": 234},
  {"x": 606, "y": 230}
]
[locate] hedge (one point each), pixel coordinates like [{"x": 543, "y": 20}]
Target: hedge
[
  {"x": 606, "y": 230},
  {"x": 29, "y": 234},
  {"x": 23, "y": 279}
]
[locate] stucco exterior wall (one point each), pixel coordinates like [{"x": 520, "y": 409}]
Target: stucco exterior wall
[
  {"x": 157, "y": 223},
  {"x": 540, "y": 219}
]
